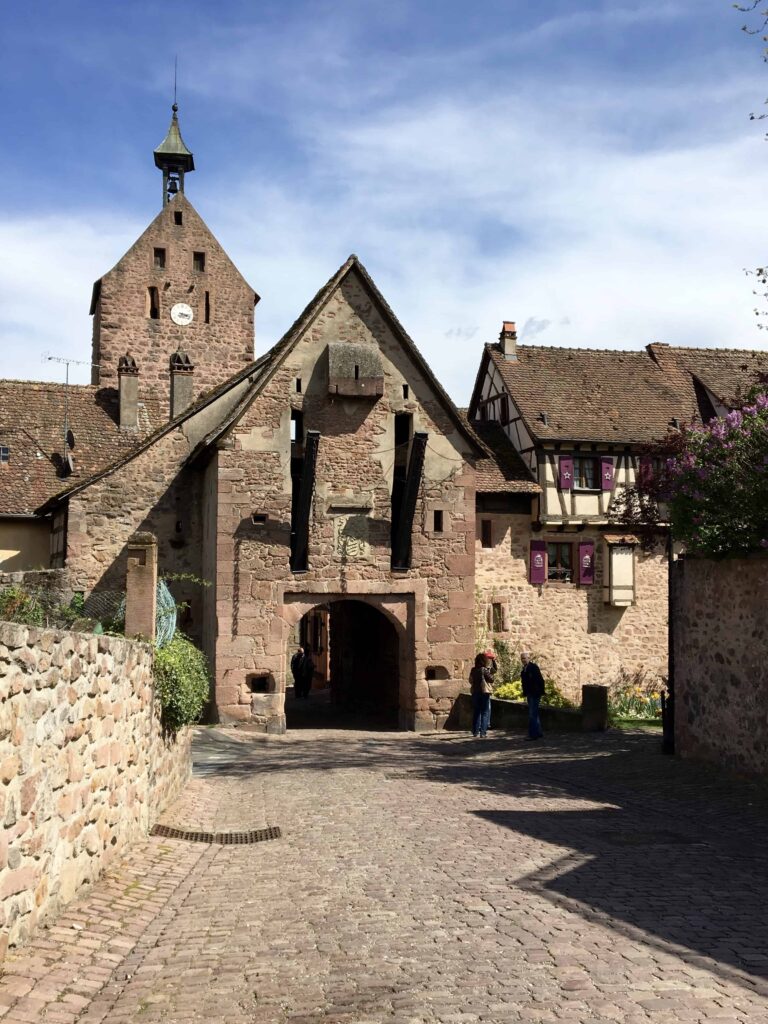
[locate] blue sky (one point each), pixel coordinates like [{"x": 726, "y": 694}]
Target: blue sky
[{"x": 585, "y": 168}]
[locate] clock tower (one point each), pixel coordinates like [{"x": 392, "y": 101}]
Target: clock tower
[{"x": 175, "y": 289}]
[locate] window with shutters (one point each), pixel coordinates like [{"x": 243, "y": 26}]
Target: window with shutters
[
  {"x": 586, "y": 473},
  {"x": 559, "y": 563}
]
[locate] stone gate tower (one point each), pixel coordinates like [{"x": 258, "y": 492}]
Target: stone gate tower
[{"x": 174, "y": 290}]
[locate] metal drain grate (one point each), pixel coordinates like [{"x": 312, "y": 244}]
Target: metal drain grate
[{"x": 255, "y": 835}]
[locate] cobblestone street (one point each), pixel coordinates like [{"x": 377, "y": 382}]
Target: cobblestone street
[{"x": 424, "y": 879}]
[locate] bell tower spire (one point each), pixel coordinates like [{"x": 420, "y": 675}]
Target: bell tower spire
[{"x": 173, "y": 158}]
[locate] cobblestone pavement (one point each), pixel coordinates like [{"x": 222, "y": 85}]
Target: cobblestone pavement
[{"x": 424, "y": 879}]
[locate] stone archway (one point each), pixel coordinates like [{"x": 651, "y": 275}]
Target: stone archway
[{"x": 400, "y": 612}]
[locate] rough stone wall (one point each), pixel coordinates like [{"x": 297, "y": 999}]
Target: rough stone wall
[
  {"x": 578, "y": 638},
  {"x": 122, "y": 323},
  {"x": 84, "y": 766},
  {"x": 349, "y": 550},
  {"x": 151, "y": 493},
  {"x": 721, "y": 652}
]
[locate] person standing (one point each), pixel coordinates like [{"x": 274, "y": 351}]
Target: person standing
[
  {"x": 481, "y": 685},
  {"x": 533, "y": 690},
  {"x": 302, "y": 670}
]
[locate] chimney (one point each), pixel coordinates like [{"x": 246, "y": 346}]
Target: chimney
[
  {"x": 182, "y": 381},
  {"x": 508, "y": 339},
  {"x": 128, "y": 390}
]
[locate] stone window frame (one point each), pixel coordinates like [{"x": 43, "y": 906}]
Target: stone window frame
[
  {"x": 490, "y": 616},
  {"x": 430, "y": 507}
]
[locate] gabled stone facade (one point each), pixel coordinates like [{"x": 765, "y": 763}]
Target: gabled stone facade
[{"x": 174, "y": 288}]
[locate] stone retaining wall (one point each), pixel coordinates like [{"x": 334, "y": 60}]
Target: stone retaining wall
[
  {"x": 721, "y": 652},
  {"x": 84, "y": 766}
]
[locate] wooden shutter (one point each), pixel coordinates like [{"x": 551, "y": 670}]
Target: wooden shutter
[
  {"x": 566, "y": 473},
  {"x": 538, "y": 561},
  {"x": 606, "y": 473},
  {"x": 587, "y": 563}
]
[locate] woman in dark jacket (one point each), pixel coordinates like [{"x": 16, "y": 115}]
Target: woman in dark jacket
[{"x": 481, "y": 683}]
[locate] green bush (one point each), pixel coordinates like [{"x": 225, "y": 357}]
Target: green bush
[
  {"x": 183, "y": 679},
  {"x": 18, "y": 604},
  {"x": 507, "y": 662},
  {"x": 552, "y": 695}
]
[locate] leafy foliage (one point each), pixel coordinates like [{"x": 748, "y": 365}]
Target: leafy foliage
[
  {"x": 17, "y": 604},
  {"x": 507, "y": 662},
  {"x": 183, "y": 682},
  {"x": 35, "y": 606}
]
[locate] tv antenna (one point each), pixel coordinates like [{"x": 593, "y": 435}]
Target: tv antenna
[{"x": 67, "y": 363}]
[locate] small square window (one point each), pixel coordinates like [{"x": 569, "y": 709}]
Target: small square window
[
  {"x": 437, "y": 521},
  {"x": 486, "y": 533},
  {"x": 5, "y": 453},
  {"x": 177, "y": 218},
  {"x": 159, "y": 259},
  {"x": 198, "y": 261}
]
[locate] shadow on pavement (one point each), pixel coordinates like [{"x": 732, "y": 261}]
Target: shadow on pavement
[{"x": 681, "y": 855}]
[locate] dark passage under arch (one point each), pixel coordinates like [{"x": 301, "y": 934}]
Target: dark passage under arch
[{"x": 356, "y": 650}]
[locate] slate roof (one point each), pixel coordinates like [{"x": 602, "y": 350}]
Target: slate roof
[
  {"x": 32, "y": 427},
  {"x": 503, "y": 470},
  {"x": 619, "y": 396}
]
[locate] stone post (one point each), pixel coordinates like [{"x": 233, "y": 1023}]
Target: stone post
[
  {"x": 128, "y": 392},
  {"x": 594, "y": 708},
  {"x": 182, "y": 383},
  {"x": 141, "y": 587}
]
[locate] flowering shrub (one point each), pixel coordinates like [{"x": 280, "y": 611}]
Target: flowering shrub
[
  {"x": 635, "y": 695},
  {"x": 633, "y": 702},
  {"x": 552, "y": 695},
  {"x": 717, "y": 484},
  {"x": 709, "y": 481}
]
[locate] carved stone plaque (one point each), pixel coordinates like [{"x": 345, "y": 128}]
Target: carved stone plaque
[{"x": 351, "y": 538}]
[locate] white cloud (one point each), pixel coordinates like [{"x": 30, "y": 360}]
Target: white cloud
[{"x": 593, "y": 213}]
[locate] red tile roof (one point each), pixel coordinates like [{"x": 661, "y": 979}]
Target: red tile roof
[
  {"x": 503, "y": 471},
  {"x": 32, "y": 427},
  {"x": 620, "y": 396}
]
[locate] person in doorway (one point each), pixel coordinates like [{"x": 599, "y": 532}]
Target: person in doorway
[
  {"x": 533, "y": 690},
  {"x": 302, "y": 670},
  {"x": 481, "y": 685}
]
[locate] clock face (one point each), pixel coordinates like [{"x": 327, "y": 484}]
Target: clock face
[{"x": 182, "y": 314}]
